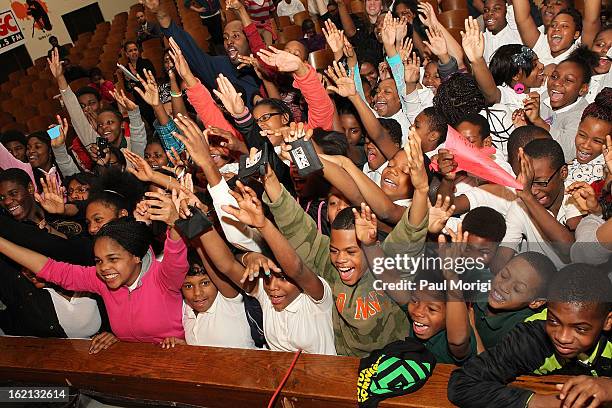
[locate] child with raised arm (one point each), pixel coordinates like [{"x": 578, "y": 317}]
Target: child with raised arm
[
  {"x": 367, "y": 319},
  {"x": 572, "y": 341}
]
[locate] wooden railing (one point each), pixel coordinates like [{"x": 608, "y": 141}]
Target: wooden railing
[{"x": 208, "y": 376}]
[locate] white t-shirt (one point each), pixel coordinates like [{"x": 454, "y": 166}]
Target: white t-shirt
[
  {"x": 588, "y": 172},
  {"x": 304, "y": 324},
  {"x": 598, "y": 82},
  {"x": 587, "y": 248},
  {"x": 493, "y": 41},
  {"x": 375, "y": 175},
  {"x": 523, "y": 235},
  {"x": 564, "y": 124},
  {"x": 479, "y": 197},
  {"x": 224, "y": 324},
  {"x": 79, "y": 316},
  {"x": 542, "y": 50},
  {"x": 284, "y": 9}
]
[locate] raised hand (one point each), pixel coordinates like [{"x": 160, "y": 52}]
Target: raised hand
[
  {"x": 472, "y": 40},
  {"x": 254, "y": 262},
  {"x": 388, "y": 30},
  {"x": 366, "y": 227},
  {"x": 416, "y": 165},
  {"x": 518, "y": 118},
  {"x": 607, "y": 152},
  {"x": 405, "y": 49},
  {"x": 532, "y": 107},
  {"x": 250, "y": 210},
  {"x": 294, "y": 132},
  {"x": 437, "y": 42},
  {"x": 52, "y": 199},
  {"x": 151, "y": 93},
  {"x": 349, "y": 53},
  {"x": 454, "y": 250},
  {"x": 526, "y": 174},
  {"x": 160, "y": 207},
  {"x": 345, "y": 85},
  {"x": 401, "y": 29},
  {"x": 140, "y": 168},
  {"x": 122, "y": 99},
  {"x": 228, "y": 96},
  {"x": 180, "y": 63},
  {"x": 439, "y": 214},
  {"x": 61, "y": 139},
  {"x": 282, "y": 60},
  {"x": 585, "y": 197},
  {"x": 234, "y": 5},
  {"x": 251, "y": 61},
  {"x": 55, "y": 65},
  {"x": 193, "y": 139},
  {"x": 412, "y": 69},
  {"x": 230, "y": 141},
  {"x": 333, "y": 36},
  {"x": 427, "y": 14},
  {"x": 447, "y": 164}
]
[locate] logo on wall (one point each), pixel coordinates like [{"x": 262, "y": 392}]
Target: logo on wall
[
  {"x": 35, "y": 10},
  {"x": 10, "y": 33}
]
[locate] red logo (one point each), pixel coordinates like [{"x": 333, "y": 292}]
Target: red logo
[{"x": 8, "y": 24}]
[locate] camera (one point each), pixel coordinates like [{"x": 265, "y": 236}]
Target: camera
[{"x": 102, "y": 145}]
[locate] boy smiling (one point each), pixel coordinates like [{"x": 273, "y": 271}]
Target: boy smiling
[{"x": 571, "y": 341}]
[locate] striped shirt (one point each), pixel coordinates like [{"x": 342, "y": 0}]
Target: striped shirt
[{"x": 260, "y": 12}]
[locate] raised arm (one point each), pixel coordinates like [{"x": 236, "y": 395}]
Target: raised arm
[
  {"x": 320, "y": 107},
  {"x": 222, "y": 283},
  {"x": 23, "y": 256},
  {"x": 250, "y": 212},
  {"x": 473, "y": 44},
  {"x": 591, "y": 22},
  {"x": 345, "y": 18},
  {"x": 345, "y": 87},
  {"x": 63, "y": 159},
  {"x": 526, "y": 26}
]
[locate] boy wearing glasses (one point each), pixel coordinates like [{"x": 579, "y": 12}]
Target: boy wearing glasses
[{"x": 542, "y": 213}]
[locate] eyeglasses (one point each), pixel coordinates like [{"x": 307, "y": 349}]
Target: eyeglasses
[
  {"x": 266, "y": 117},
  {"x": 544, "y": 184},
  {"x": 154, "y": 156},
  {"x": 81, "y": 190}
]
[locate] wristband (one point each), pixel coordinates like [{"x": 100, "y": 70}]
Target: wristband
[{"x": 176, "y": 94}]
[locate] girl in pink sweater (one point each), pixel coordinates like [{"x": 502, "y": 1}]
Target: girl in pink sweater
[{"x": 142, "y": 295}]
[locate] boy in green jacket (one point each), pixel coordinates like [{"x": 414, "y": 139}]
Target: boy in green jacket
[{"x": 366, "y": 319}]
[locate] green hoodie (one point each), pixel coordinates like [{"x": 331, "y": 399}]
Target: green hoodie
[{"x": 365, "y": 319}]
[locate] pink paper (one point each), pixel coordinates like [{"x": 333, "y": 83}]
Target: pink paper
[{"x": 476, "y": 161}]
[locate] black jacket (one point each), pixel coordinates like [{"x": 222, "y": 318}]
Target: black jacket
[{"x": 483, "y": 380}]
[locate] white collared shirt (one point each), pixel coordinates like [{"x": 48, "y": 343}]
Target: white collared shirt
[
  {"x": 304, "y": 324},
  {"x": 224, "y": 324},
  {"x": 79, "y": 316},
  {"x": 542, "y": 50},
  {"x": 375, "y": 175},
  {"x": 507, "y": 35},
  {"x": 519, "y": 225},
  {"x": 564, "y": 124},
  {"x": 598, "y": 82}
]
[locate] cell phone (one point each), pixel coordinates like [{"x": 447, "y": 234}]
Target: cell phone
[
  {"x": 102, "y": 145},
  {"x": 127, "y": 73},
  {"x": 54, "y": 132}
]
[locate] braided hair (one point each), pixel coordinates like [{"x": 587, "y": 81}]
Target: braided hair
[
  {"x": 457, "y": 97},
  {"x": 117, "y": 189},
  {"x": 135, "y": 237},
  {"x": 276, "y": 104}
]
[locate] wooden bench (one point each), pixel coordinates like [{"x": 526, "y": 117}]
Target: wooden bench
[{"x": 208, "y": 376}]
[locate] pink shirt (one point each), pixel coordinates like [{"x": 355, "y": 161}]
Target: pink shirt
[
  {"x": 8, "y": 161},
  {"x": 148, "y": 314}
]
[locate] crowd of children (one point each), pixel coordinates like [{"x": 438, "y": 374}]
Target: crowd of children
[{"x": 180, "y": 209}]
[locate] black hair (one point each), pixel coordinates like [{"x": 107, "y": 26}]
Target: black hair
[
  {"x": 16, "y": 175},
  {"x": 393, "y": 128},
  {"x": 457, "y": 97},
  {"x": 575, "y": 15},
  {"x": 437, "y": 123},
  {"x": 601, "y": 108},
  {"x": 586, "y": 59},
  {"x": 276, "y": 104},
  {"x": 546, "y": 148},
  {"x": 331, "y": 142},
  {"x": 485, "y": 222},
  {"x": 509, "y": 60},
  {"x": 543, "y": 266},
  {"x": 13, "y": 136},
  {"x": 39, "y": 173},
  {"x": 345, "y": 219},
  {"x": 411, "y": 4},
  {"x": 308, "y": 23},
  {"x": 134, "y": 236},
  {"x": 114, "y": 111},
  {"x": 52, "y": 38},
  {"x": 479, "y": 121},
  {"x": 119, "y": 155},
  {"x": 194, "y": 260},
  {"x": 128, "y": 42},
  {"x": 81, "y": 178},
  {"x": 117, "y": 189},
  {"x": 523, "y": 135},
  {"x": 87, "y": 90},
  {"x": 582, "y": 284},
  {"x": 95, "y": 71}
]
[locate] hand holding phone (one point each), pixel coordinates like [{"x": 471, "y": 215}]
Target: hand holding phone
[{"x": 54, "y": 132}]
